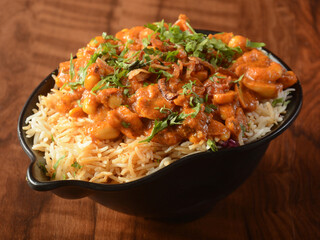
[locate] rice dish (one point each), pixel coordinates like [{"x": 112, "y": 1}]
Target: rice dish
[{"x": 184, "y": 92}]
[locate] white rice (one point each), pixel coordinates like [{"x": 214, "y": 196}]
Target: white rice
[
  {"x": 71, "y": 154},
  {"x": 266, "y": 116}
]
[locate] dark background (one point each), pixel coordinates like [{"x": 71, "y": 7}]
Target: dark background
[{"x": 281, "y": 200}]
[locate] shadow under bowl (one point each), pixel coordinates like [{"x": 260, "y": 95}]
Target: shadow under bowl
[{"x": 184, "y": 190}]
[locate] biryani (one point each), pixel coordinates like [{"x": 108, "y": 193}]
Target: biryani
[{"x": 130, "y": 104}]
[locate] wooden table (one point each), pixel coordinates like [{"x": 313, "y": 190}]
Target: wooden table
[{"x": 281, "y": 200}]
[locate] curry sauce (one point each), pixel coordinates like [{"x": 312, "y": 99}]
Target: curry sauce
[{"x": 168, "y": 83}]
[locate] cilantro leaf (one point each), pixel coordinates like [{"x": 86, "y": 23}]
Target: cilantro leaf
[
  {"x": 209, "y": 108},
  {"x": 190, "y": 28},
  {"x": 187, "y": 88},
  {"x": 126, "y": 92},
  {"x": 82, "y": 73},
  {"x": 107, "y": 37},
  {"x": 111, "y": 81},
  {"x": 239, "y": 79},
  {"x": 276, "y": 101},
  {"x": 43, "y": 168},
  {"x": 196, "y": 110},
  {"x": 212, "y": 145},
  {"x": 171, "y": 56},
  {"x": 254, "y": 44},
  {"x": 53, "y": 175},
  {"x": 146, "y": 41},
  {"x": 131, "y": 66},
  {"x": 158, "y": 126},
  {"x": 79, "y": 103},
  {"x": 194, "y": 99},
  {"x": 165, "y": 110},
  {"x": 243, "y": 129},
  {"x": 217, "y": 76},
  {"x": 57, "y": 162},
  {"x": 151, "y": 26},
  {"x": 125, "y": 124},
  {"x": 173, "y": 119},
  {"x": 71, "y": 69},
  {"x": 160, "y": 73},
  {"x": 76, "y": 165},
  {"x": 286, "y": 103}
]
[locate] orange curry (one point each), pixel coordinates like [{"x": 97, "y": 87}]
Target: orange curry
[{"x": 168, "y": 83}]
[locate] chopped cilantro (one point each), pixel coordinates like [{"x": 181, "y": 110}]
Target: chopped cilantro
[
  {"x": 254, "y": 44},
  {"x": 217, "y": 76},
  {"x": 171, "y": 56},
  {"x": 187, "y": 88},
  {"x": 165, "y": 110},
  {"x": 158, "y": 126},
  {"x": 276, "y": 101},
  {"x": 131, "y": 66},
  {"x": 158, "y": 27},
  {"x": 57, "y": 162},
  {"x": 74, "y": 85},
  {"x": 166, "y": 74},
  {"x": 243, "y": 129},
  {"x": 190, "y": 28},
  {"x": 82, "y": 73},
  {"x": 71, "y": 69},
  {"x": 107, "y": 49},
  {"x": 194, "y": 99},
  {"x": 239, "y": 79},
  {"x": 43, "y": 168},
  {"x": 160, "y": 73},
  {"x": 173, "y": 119},
  {"x": 94, "y": 41},
  {"x": 106, "y": 36},
  {"x": 76, "y": 165},
  {"x": 125, "y": 124},
  {"x": 151, "y": 26},
  {"x": 206, "y": 98},
  {"x": 79, "y": 103},
  {"x": 212, "y": 145},
  {"x": 286, "y": 103},
  {"x": 195, "y": 44},
  {"x": 63, "y": 86},
  {"x": 126, "y": 92},
  {"x": 209, "y": 108},
  {"x": 110, "y": 81},
  {"x": 196, "y": 110},
  {"x": 102, "y": 84},
  {"x": 146, "y": 41}
]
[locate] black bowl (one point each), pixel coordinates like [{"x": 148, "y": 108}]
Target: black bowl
[{"x": 184, "y": 190}]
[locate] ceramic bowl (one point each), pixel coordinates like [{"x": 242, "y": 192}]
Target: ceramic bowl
[{"x": 184, "y": 190}]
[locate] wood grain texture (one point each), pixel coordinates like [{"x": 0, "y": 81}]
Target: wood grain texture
[{"x": 281, "y": 200}]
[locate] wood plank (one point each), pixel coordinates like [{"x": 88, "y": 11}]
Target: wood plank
[{"x": 281, "y": 200}]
